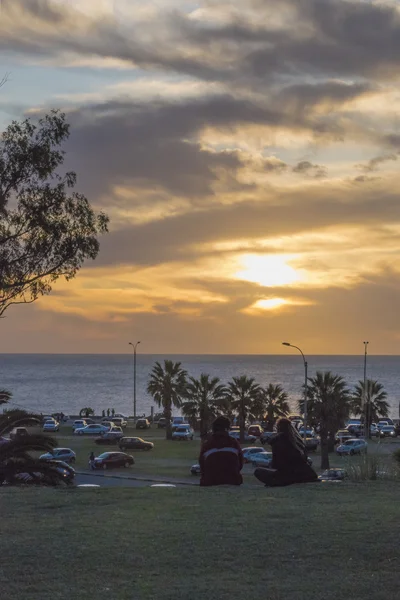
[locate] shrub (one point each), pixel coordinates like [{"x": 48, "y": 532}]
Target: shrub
[{"x": 372, "y": 468}]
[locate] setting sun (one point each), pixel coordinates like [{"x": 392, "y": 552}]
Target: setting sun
[{"x": 267, "y": 270}]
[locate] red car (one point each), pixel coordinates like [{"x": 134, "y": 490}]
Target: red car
[{"x": 110, "y": 460}]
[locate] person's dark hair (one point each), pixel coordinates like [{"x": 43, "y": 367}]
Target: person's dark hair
[
  {"x": 221, "y": 424},
  {"x": 285, "y": 426}
]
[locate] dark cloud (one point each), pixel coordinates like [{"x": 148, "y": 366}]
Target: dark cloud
[
  {"x": 308, "y": 168},
  {"x": 374, "y": 163}
]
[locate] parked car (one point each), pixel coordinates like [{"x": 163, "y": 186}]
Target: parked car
[
  {"x": 387, "y": 431},
  {"x": 195, "y": 469},
  {"x": 250, "y": 439},
  {"x": 110, "y": 437},
  {"x": 310, "y": 432},
  {"x": 161, "y": 423},
  {"x": 51, "y": 425},
  {"x": 342, "y": 435},
  {"x": 119, "y": 421},
  {"x": 262, "y": 459},
  {"x": 256, "y": 430},
  {"x": 179, "y": 421},
  {"x": 109, "y": 424},
  {"x": 143, "y": 424},
  {"x": 352, "y": 446},
  {"x": 386, "y": 421},
  {"x": 18, "y": 432},
  {"x": 93, "y": 429},
  {"x": 184, "y": 432},
  {"x": 64, "y": 454},
  {"x": 64, "y": 468},
  {"x": 249, "y": 453},
  {"x": 134, "y": 443},
  {"x": 67, "y": 472},
  {"x": 109, "y": 460},
  {"x": 266, "y": 436},
  {"x": 78, "y": 424},
  {"x": 333, "y": 474},
  {"x": 124, "y": 417}
]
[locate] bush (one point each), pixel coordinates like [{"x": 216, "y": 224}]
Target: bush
[{"x": 372, "y": 468}]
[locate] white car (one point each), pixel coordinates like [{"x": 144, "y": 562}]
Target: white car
[
  {"x": 93, "y": 429},
  {"x": 350, "y": 447},
  {"x": 51, "y": 425},
  {"x": 183, "y": 433},
  {"x": 250, "y": 453},
  {"x": 65, "y": 454},
  {"x": 262, "y": 459},
  {"x": 78, "y": 424}
]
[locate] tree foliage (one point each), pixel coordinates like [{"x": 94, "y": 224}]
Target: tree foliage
[
  {"x": 47, "y": 230},
  {"x": 16, "y": 459},
  {"x": 205, "y": 400},
  {"x": 167, "y": 385},
  {"x": 376, "y": 404},
  {"x": 87, "y": 411},
  {"x": 242, "y": 393},
  {"x": 328, "y": 406},
  {"x": 273, "y": 404}
]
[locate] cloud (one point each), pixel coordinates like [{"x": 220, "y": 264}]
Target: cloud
[
  {"x": 306, "y": 167},
  {"x": 375, "y": 163}
]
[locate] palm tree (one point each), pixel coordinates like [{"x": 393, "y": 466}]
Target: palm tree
[
  {"x": 242, "y": 394},
  {"x": 329, "y": 405},
  {"x": 205, "y": 399},
  {"x": 15, "y": 455},
  {"x": 86, "y": 411},
  {"x": 376, "y": 404},
  {"x": 167, "y": 385},
  {"x": 275, "y": 404}
]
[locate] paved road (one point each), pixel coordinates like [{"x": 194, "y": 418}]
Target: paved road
[{"x": 109, "y": 481}]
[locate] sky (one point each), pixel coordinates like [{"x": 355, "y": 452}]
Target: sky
[{"x": 247, "y": 155}]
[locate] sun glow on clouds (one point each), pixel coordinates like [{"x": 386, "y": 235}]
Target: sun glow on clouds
[
  {"x": 267, "y": 270},
  {"x": 273, "y": 304}
]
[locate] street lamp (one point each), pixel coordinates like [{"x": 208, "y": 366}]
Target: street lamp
[
  {"x": 365, "y": 403},
  {"x": 305, "y": 387},
  {"x": 134, "y": 346}
]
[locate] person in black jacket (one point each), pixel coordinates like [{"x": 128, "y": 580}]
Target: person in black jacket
[
  {"x": 221, "y": 458},
  {"x": 289, "y": 458}
]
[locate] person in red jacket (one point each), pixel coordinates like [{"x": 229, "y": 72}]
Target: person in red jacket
[{"x": 221, "y": 458}]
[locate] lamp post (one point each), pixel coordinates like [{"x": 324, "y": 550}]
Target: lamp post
[
  {"x": 305, "y": 386},
  {"x": 134, "y": 346},
  {"x": 365, "y": 403}
]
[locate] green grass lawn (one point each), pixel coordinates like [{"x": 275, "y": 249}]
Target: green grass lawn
[
  {"x": 173, "y": 459},
  {"x": 307, "y": 542}
]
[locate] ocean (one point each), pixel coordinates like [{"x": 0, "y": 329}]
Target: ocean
[{"x": 68, "y": 382}]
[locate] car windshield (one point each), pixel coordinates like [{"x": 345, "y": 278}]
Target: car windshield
[
  {"x": 104, "y": 455},
  {"x": 351, "y": 442}
]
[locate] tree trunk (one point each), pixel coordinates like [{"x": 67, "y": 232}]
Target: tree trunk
[
  {"x": 242, "y": 419},
  {"x": 324, "y": 450},
  {"x": 331, "y": 442},
  {"x": 168, "y": 416}
]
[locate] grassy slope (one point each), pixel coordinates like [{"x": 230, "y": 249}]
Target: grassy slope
[{"x": 301, "y": 543}]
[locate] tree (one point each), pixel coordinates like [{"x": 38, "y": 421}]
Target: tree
[
  {"x": 167, "y": 385},
  {"x": 86, "y": 412},
  {"x": 329, "y": 405},
  {"x": 376, "y": 404},
  {"x": 15, "y": 455},
  {"x": 274, "y": 402},
  {"x": 46, "y": 229},
  {"x": 205, "y": 399},
  {"x": 5, "y": 396},
  {"x": 242, "y": 393}
]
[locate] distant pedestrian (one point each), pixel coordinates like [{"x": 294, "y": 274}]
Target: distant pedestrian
[
  {"x": 113, "y": 411},
  {"x": 221, "y": 458},
  {"x": 103, "y": 413},
  {"x": 108, "y": 412},
  {"x": 91, "y": 460}
]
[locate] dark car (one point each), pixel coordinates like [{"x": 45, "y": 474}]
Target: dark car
[
  {"x": 266, "y": 436},
  {"x": 110, "y": 460},
  {"x": 18, "y": 432},
  {"x": 311, "y": 444},
  {"x": 110, "y": 437},
  {"x": 143, "y": 424},
  {"x": 134, "y": 443},
  {"x": 162, "y": 423}
]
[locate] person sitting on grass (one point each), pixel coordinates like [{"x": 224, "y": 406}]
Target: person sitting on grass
[
  {"x": 289, "y": 459},
  {"x": 221, "y": 458}
]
